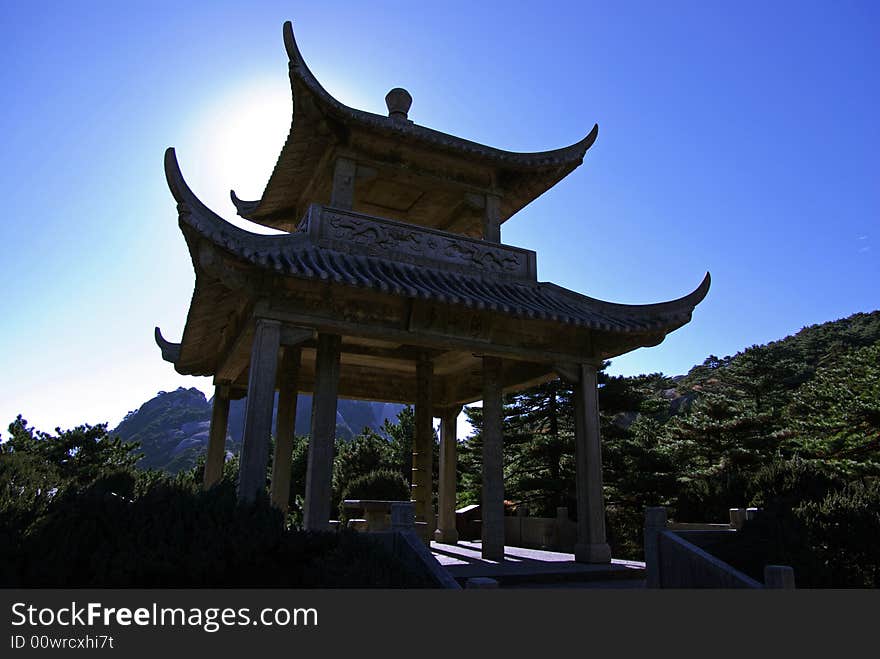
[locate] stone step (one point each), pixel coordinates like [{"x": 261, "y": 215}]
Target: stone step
[
  {"x": 621, "y": 584},
  {"x": 614, "y": 578}
]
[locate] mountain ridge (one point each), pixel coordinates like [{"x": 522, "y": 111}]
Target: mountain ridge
[{"x": 173, "y": 426}]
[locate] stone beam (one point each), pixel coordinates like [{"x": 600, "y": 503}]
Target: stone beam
[
  {"x": 433, "y": 338},
  {"x": 236, "y": 358},
  {"x": 296, "y": 336},
  {"x": 464, "y": 388},
  {"x": 568, "y": 372},
  {"x": 361, "y": 382}
]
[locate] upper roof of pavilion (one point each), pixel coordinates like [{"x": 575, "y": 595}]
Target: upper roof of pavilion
[{"x": 405, "y": 171}]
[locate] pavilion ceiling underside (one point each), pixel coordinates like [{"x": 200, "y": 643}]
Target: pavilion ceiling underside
[
  {"x": 221, "y": 311},
  {"x": 457, "y": 375},
  {"x": 218, "y": 316},
  {"x": 370, "y": 369}
]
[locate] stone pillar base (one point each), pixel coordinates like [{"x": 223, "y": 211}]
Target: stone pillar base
[
  {"x": 492, "y": 552},
  {"x": 421, "y": 529},
  {"x": 446, "y": 536},
  {"x": 481, "y": 582},
  {"x": 599, "y": 553}
]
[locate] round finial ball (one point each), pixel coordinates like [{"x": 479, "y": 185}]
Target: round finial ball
[{"x": 399, "y": 102}]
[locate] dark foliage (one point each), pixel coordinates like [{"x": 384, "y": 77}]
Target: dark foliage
[
  {"x": 172, "y": 536},
  {"x": 814, "y": 520},
  {"x": 792, "y": 427},
  {"x": 74, "y": 512}
]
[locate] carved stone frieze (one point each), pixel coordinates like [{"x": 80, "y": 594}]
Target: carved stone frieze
[{"x": 361, "y": 234}]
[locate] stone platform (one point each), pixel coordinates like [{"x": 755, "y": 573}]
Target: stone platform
[{"x": 535, "y": 568}]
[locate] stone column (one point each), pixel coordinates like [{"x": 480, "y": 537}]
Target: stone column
[
  {"x": 737, "y": 518},
  {"x": 492, "y": 219},
  {"x": 655, "y": 524},
  {"x": 258, "y": 412},
  {"x": 321, "y": 443},
  {"x": 446, "y": 531},
  {"x": 423, "y": 445},
  {"x": 342, "y": 192},
  {"x": 217, "y": 437},
  {"x": 779, "y": 576},
  {"x": 591, "y": 545},
  {"x": 492, "y": 508},
  {"x": 285, "y": 424},
  {"x": 402, "y": 516}
]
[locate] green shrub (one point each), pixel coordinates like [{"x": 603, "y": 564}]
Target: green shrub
[
  {"x": 358, "y": 457},
  {"x": 785, "y": 484},
  {"x": 843, "y": 532},
  {"x": 624, "y": 531},
  {"x": 381, "y": 484}
]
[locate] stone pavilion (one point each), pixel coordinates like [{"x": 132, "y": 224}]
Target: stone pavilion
[{"x": 390, "y": 282}]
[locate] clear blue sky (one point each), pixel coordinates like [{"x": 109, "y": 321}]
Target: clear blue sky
[{"x": 739, "y": 138}]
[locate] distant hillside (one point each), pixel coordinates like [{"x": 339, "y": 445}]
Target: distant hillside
[
  {"x": 173, "y": 427},
  {"x": 789, "y": 362},
  {"x": 763, "y": 377}
]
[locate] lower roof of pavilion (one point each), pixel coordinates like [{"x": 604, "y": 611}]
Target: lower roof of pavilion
[{"x": 395, "y": 293}]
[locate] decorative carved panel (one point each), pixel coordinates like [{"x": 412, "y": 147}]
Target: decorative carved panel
[{"x": 351, "y": 232}]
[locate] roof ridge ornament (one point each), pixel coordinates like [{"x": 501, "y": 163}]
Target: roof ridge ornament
[{"x": 398, "y": 101}]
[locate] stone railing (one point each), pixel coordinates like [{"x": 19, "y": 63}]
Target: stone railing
[
  {"x": 674, "y": 559},
  {"x": 396, "y": 530},
  {"x": 375, "y": 516},
  {"x": 550, "y": 533}
]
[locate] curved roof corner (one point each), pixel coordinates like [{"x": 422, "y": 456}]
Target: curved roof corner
[{"x": 170, "y": 351}]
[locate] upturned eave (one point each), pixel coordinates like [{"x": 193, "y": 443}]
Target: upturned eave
[
  {"x": 321, "y": 123},
  {"x": 228, "y": 259}
]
